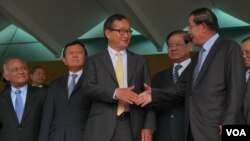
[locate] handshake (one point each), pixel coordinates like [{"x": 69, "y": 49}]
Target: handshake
[{"x": 127, "y": 95}]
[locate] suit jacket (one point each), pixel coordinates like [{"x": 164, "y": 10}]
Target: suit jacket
[
  {"x": 247, "y": 102},
  {"x": 29, "y": 127},
  {"x": 216, "y": 97},
  {"x": 64, "y": 118},
  {"x": 169, "y": 115},
  {"x": 102, "y": 84}
]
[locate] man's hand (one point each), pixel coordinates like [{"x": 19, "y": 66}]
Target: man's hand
[
  {"x": 145, "y": 97},
  {"x": 127, "y": 95},
  {"x": 146, "y": 135}
]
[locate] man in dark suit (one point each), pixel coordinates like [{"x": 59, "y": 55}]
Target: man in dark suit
[
  {"x": 214, "y": 85},
  {"x": 38, "y": 77},
  {"x": 114, "y": 77},
  {"x": 170, "y": 115},
  {"x": 245, "y": 47},
  {"x": 21, "y": 105},
  {"x": 66, "y": 107}
]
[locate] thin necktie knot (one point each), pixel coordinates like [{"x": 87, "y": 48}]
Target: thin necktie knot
[
  {"x": 19, "y": 105},
  {"x": 72, "y": 84},
  {"x": 176, "y": 74}
]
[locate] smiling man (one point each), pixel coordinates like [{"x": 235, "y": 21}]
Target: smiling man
[
  {"x": 114, "y": 77},
  {"x": 170, "y": 115}
]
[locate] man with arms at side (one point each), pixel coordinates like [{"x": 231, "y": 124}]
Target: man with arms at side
[
  {"x": 170, "y": 115},
  {"x": 38, "y": 77},
  {"x": 214, "y": 85},
  {"x": 112, "y": 77},
  {"x": 245, "y": 47},
  {"x": 66, "y": 107},
  {"x": 21, "y": 105}
]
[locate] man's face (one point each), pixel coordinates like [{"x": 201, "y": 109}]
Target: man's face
[
  {"x": 74, "y": 57},
  {"x": 195, "y": 31},
  {"x": 245, "y": 47},
  {"x": 17, "y": 73},
  {"x": 38, "y": 77},
  {"x": 119, "y": 40},
  {"x": 178, "y": 51}
]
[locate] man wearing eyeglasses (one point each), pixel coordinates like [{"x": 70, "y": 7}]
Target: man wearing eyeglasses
[
  {"x": 21, "y": 105},
  {"x": 245, "y": 47},
  {"x": 214, "y": 85},
  {"x": 170, "y": 115},
  {"x": 114, "y": 77}
]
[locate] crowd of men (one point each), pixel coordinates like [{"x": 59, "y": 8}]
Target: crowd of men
[{"x": 110, "y": 96}]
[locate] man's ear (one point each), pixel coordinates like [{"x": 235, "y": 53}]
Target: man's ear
[
  {"x": 64, "y": 61},
  {"x": 107, "y": 34},
  {"x": 6, "y": 76}
]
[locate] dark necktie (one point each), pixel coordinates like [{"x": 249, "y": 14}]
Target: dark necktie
[
  {"x": 72, "y": 84},
  {"x": 176, "y": 74},
  {"x": 19, "y": 105},
  {"x": 198, "y": 65}
]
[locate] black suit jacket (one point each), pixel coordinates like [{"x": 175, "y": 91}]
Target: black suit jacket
[
  {"x": 29, "y": 127},
  {"x": 247, "y": 103},
  {"x": 216, "y": 97},
  {"x": 64, "y": 118},
  {"x": 169, "y": 115},
  {"x": 102, "y": 84}
]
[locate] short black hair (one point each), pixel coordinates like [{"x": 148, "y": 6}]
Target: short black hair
[
  {"x": 205, "y": 15},
  {"x": 245, "y": 39},
  {"x": 108, "y": 24},
  {"x": 74, "y": 43},
  {"x": 187, "y": 39},
  {"x": 35, "y": 68}
]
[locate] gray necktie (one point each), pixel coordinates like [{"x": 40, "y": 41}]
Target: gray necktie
[
  {"x": 72, "y": 84},
  {"x": 176, "y": 74},
  {"x": 198, "y": 65},
  {"x": 19, "y": 105}
]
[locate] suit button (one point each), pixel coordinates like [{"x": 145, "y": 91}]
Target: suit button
[{"x": 172, "y": 116}]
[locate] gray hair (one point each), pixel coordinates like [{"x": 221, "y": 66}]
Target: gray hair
[{"x": 5, "y": 69}]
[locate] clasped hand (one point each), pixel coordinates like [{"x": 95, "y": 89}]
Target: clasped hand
[{"x": 127, "y": 95}]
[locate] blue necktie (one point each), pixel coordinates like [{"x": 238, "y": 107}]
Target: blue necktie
[
  {"x": 72, "y": 84},
  {"x": 176, "y": 74},
  {"x": 199, "y": 64},
  {"x": 19, "y": 105}
]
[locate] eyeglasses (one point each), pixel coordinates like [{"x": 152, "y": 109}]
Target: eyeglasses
[
  {"x": 16, "y": 69},
  {"x": 178, "y": 44},
  {"x": 246, "y": 52},
  {"x": 123, "y": 31}
]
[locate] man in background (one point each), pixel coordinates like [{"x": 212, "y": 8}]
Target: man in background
[
  {"x": 66, "y": 107},
  {"x": 170, "y": 115},
  {"x": 245, "y": 47},
  {"x": 21, "y": 105},
  {"x": 38, "y": 77}
]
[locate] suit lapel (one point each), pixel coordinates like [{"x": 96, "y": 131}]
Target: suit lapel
[
  {"x": 131, "y": 63},
  {"x": 30, "y": 100},
  {"x": 64, "y": 84},
  {"x": 7, "y": 102},
  {"x": 105, "y": 58},
  {"x": 212, "y": 53}
]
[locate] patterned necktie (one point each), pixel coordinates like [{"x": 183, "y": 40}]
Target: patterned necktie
[
  {"x": 199, "y": 64},
  {"x": 72, "y": 84},
  {"x": 19, "y": 105},
  {"x": 176, "y": 74},
  {"x": 119, "y": 76}
]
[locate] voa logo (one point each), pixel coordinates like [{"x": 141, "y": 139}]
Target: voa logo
[{"x": 236, "y": 132}]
